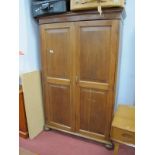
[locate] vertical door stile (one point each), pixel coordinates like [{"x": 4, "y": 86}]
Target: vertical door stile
[
  {"x": 77, "y": 74},
  {"x": 72, "y": 69},
  {"x": 115, "y": 39}
]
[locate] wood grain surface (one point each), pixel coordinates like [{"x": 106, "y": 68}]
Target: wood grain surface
[{"x": 79, "y": 72}]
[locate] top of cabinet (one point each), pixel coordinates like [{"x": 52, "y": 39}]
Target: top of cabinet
[{"x": 107, "y": 14}]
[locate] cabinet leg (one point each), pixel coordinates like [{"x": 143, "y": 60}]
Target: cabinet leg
[
  {"x": 109, "y": 146},
  {"x": 46, "y": 128},
  {"x": 116, "y": 148}
]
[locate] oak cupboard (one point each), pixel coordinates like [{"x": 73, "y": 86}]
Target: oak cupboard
[{"x": 79, "y": 54}]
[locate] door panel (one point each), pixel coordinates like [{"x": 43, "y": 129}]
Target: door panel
[
  {"x": 92, "y": 110},
  {"x": 60, "y": 104},
  {"x": 95, "y": 70},
  {"x": 58, "y": 57},
  {"x": 58, "y": 74},
  {"x": 94, "y": 53}
]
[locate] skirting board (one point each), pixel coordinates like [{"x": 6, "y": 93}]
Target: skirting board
[{"x": 32, "y": 90}]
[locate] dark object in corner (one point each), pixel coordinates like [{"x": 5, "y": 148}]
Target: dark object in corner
[
  {"x": 23, "y": 128},
  {"x": 48, "y": 7}
]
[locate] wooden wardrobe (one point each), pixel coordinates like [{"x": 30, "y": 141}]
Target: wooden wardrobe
[{"x": 80, "y": 53}]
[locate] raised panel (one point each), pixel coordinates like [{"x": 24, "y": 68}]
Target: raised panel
[
  {"x": 95, "y": 53},
  {"x": 59, "y": 104},
  {"x": 93, "y": 110},
  {"x": 58, "y": 52}
]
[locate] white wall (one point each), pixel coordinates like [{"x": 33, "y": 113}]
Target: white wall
[
  {"x": 29, "y": 39},
  {"x": 126, "y": 91},
  {"x": 29, "y": 43}
]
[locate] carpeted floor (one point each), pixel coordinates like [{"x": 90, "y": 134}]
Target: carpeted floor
[
  {"x": 25, "y": 152},
  {"x": 57, "y": 143}
]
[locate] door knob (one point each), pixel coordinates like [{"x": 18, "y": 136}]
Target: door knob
[
  {"x": 76, "y": 79},
  {"x": 51, "y": 51}
]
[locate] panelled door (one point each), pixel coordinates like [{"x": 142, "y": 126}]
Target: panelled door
[
  {"x": 57, "y": 75},
  {"x": 96, "y": 52}
]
